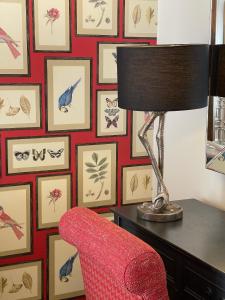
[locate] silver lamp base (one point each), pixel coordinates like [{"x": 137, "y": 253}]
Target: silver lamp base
[{"x": 172, "y": 212}]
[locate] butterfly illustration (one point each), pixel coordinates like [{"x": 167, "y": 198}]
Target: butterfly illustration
[
  {"x": 38, "y": 155},
  {"x": 111, "y": 103},
  {"x": 115, "y": 56},
  {"x": 56, "y": 154},
  {"x": 22, "y": 155},
  {"x": 111, "y": 122}
]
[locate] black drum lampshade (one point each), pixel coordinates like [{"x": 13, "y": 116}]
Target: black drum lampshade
[
  {"x": 163, "y": 77},
  {"x": 217, "y": 87}
]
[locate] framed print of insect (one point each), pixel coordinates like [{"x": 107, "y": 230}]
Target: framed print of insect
[
  {"x": 64, "y": 270},
  {"x": 69, "y": 94},
  {"x": 27, "y": 155},
  {"x": 111, "y": 120},
  {"x": 97, "y": 169}
]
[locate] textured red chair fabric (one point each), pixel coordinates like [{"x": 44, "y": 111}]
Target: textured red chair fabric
[{"x": 115, "y": 264}]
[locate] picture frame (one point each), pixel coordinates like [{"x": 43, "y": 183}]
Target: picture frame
[
  {"x": 136, "y": 184},
  {"x": 15, "y": 208},
  {"x": 140, "y": 18},
  {"x": 68, "y": 81},
  {"x": 97, "y": 18},
  {"x": 138, "y": 119},
  {"x": 37, "y": 154},
  {"x": 14, "y": 55},
  {"x": 94, "y": 163},
  {"x": 109, "y": 216},
  {"x": 51, "y": 25},
  {"x": 62, "y": 285},
  {"x": 20, "y": 106},
  {"x": 53, "y": 199},
  {"x": 23, "y": 280},
  {"x": 107, "y": 60},
  {"x": 111, "y": 120}
]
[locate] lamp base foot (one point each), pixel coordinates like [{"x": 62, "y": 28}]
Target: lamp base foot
[{"x": 172, "y": 212}]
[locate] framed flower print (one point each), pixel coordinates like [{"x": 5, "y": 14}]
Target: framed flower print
[{"x": 13, "y": 38}]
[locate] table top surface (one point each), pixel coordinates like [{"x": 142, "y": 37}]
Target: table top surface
[{"x": 201, "y": 232}]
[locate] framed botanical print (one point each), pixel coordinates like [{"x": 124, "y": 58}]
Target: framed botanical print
[
  {"x": 137, "y": 184},
  {"x": 27, "y": 155},
  {"x": 140, "y": 18},
  {"x": 13, "y": 38},
  {"x": 15, "y": 219},
  {"x": 54, "y": 199},
  {"x": 97, "y": 17},
  {"x": 107, "y": 61},
  {"x": 111, "y": 120},
  {"x": 51, "y": 25},
  {"x": 69, "y": 94},
  {"x": 22, "y": 281},
  {"x": 64, "y": 271},
  {"x": 20, "y": 106},
  {"x": 108, "y": 216},
  {"x": 138, "y": 119},
  {"x": 96, "y": 167}
]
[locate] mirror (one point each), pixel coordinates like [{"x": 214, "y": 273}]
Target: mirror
[{"x": 215, "y": 149}]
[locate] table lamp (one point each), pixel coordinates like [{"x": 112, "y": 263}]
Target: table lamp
[{"x": 159, "y": 79}]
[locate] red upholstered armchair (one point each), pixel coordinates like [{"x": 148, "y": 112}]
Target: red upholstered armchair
[{"x": 115, "y": 264}]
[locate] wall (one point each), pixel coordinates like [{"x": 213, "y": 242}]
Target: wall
[
  {"x": 188, "y": 21},
  {"x": 81, "y": 47}
]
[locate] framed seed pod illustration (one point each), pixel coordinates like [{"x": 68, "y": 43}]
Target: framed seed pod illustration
[{"x": 96, "y": 165}]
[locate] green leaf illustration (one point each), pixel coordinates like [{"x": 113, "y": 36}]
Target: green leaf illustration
[
  {"x": 103, "y": 167},
  {"x": 102, "y": 173},
  {"x": 134, "y": 183},
  {"x": 91, "y": 170},
  {"x": 93, "y": 176},
  {"x": 95, "y": 157},
  {"x": 90, "y": 165},
  {"x": 102, "y": 161}
]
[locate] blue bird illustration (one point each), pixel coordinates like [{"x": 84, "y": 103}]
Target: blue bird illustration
[
  {"x": 66, "y": 98},
  {"x": 67, "y": 268}
]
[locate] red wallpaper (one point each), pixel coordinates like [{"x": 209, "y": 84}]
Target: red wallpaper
[{"x": 81, "y": 47}]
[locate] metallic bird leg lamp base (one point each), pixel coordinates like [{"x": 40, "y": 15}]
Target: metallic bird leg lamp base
[
  {"x": 160, "y": 210},
  {"x": 160, "y": 79}
]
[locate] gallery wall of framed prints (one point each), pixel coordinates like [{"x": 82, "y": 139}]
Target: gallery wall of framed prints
[{"x": 64, "y": 142}]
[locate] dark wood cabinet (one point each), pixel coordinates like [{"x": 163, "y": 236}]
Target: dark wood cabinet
[{"x": 193, "y": 249}]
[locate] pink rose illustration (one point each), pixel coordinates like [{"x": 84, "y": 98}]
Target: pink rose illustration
[
  {"x": 52, "y": 15},
  {"x": 54, "y": 195}
]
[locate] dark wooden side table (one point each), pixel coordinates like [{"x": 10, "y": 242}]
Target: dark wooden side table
[{"x": 193, "y": 249}]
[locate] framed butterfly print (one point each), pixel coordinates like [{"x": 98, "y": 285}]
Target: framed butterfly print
[
  {"x": 14, "y": 38},
  {"x": 64, "y": 270},
  {"x": 28, "y": 155},
  {"x": 107, "y": 61},
  {"x": 20, "y": 106},
  {"x": 98, "y": 18},
  {"x": 69, "y": 94},
  {"x": 53, "y": 198},
  {"x": 111, "y": 120},
  {"x": 138, "y": 119},
  {"x": 97, "y": 173},
  {"x": 140, "y": 18},
  {"x": 51, "y": 25},
  {"x": 15, "y": 209},
  {"x": 22, "y": 281}
]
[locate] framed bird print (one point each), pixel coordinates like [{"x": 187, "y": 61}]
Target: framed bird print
[
  {"x": 69, "y": 94},
  {"x": 140, "y": 18},
  {"x": 111, "y": 120},
  {"x": 97, "y": 172},
  {"x": 21, "y": 281},
  {"x": 64, "y": 271},
  {"x": 53, "y": 198},
  {"x": 107, "y": 61},
  {"x": 13, "y": 38},
  {"x": 137, "y": 149},
  {"x": 29, "y": 155},
  {"x": 136, "y": 184},
  {"x": 97, "y": 17},
  {"x": 15, "y": 219},
  {"x": 51, "y": 25},
  {"x": 20, "y": 106}
]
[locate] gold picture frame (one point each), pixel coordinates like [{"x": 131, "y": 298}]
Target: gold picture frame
[
  {"x": 35, "y": 154},
  {"x": 97, "y": 174},
  {"x": 15, "y": 209},
  {"x": 53, "y": 199},
  {"x": 61, "y": 284},
  {"x": 14, "y": 56}
]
